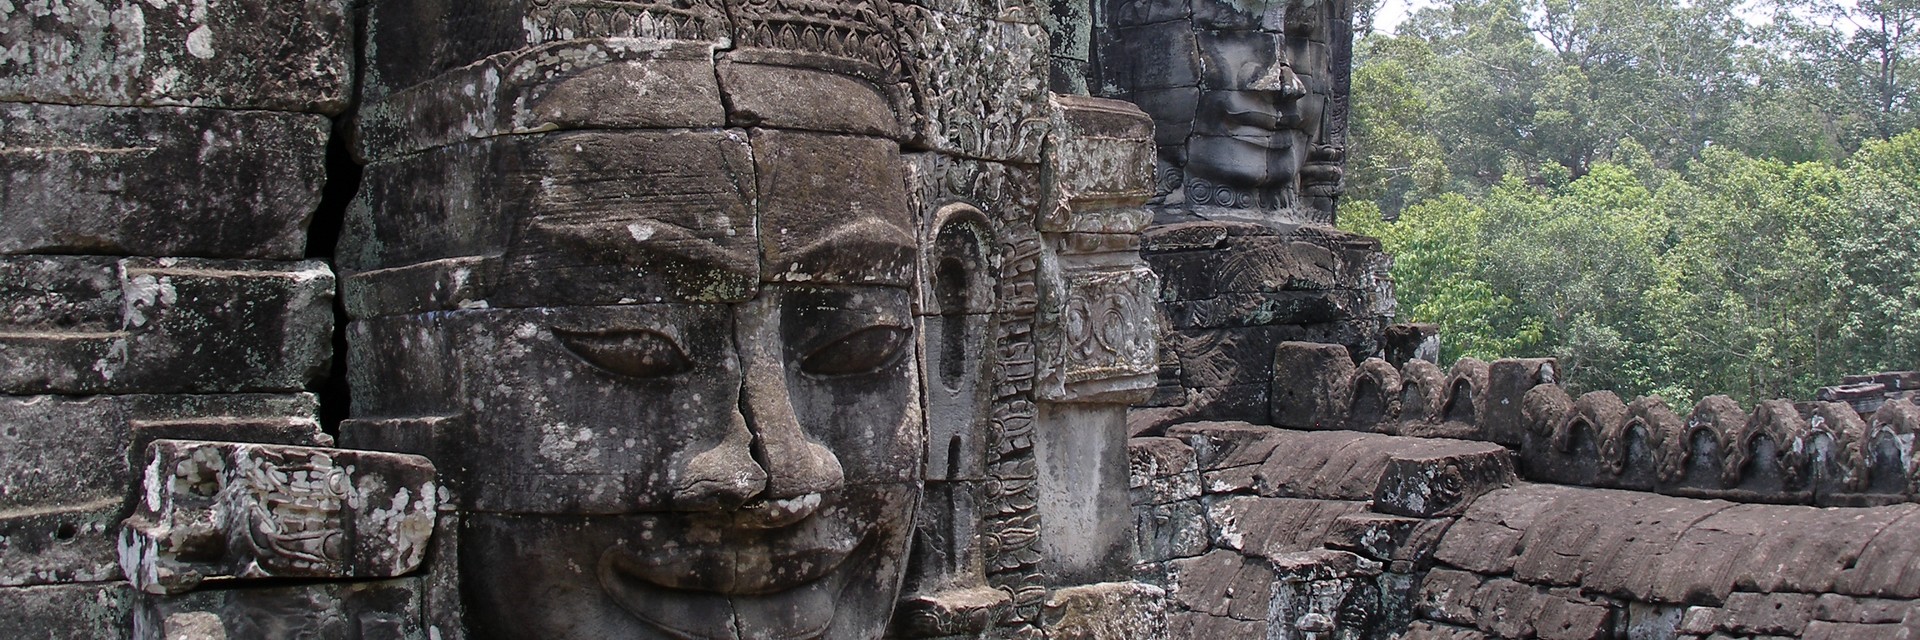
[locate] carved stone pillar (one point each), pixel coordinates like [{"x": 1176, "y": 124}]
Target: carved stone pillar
[{"x": 1098, "y": 335}]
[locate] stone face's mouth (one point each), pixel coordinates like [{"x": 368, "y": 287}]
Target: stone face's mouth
[
  {"x": 763, "y": 547},
  {"x": 768, "y": 570},
  {"x": 800, "y": 613}
]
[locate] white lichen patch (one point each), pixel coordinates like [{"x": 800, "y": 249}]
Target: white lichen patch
[
  {"x": 142, "y": 293},
  {"x": 200, "y": 43}
]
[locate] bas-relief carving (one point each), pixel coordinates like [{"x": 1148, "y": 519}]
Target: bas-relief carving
[
  {"x": 214, "y": 510},
  {"x": 1248, "y": 99},
  {"x": 1004, "y": 526}
]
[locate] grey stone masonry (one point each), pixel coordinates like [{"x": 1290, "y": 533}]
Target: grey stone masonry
[{"x": 1257, "y": 531}]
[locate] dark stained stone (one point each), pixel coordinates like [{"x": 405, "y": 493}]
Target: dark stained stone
[
  {"x": 164, "y": 325},
  {"x": 1822, "y": 630},
  {"x": 363, "y": 610},
  {"x": 1428, "y": 630},
  {"x": 229, "y": 54},
  {"x": 303, "y": 512},
  {"x": 56, "y": 612},
  {"x": 597, "y": 83},
  {"x": 1781, "y": 614},
  {"x": 1486, "y": 539},
  {"x": 210, "y": 183},
  {"x": 1310, "y": 385},
  {"x": 1447, "y": 595},
  {"x": 590, "y": 217},
  {"x": 1441, "y": 477},
  {"x": 68, "y": 467},
  {"x": 1224, "y": 583},
  {"x": 1106, "y": 611},
  {"x": 1169, "y": 531},
  {"x": 796, "y": 97},
  {"x": 1270, "y": 527}
]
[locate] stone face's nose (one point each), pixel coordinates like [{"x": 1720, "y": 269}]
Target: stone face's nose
[
  {"x": 794, "y": 465},
  {"x": 764, "y": 455},
  {"x": 725, "y": 476}
]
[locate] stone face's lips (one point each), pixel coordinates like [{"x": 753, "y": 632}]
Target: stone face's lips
[
  {"x": 1261, "y": 121},
  {"x": 763, "y": 548},
  {"x": 801, "y": 613},
  {"x": 773, "y": 563}
]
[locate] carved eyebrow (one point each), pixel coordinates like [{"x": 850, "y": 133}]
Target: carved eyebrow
[
  {"x": 636, "y": 240},
  {"x": 885, "y": 253}
]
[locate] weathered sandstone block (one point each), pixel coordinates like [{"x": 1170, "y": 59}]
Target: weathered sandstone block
[
  {"x": 294, "y": 55},
  {"x": 211, "y": 183},
  {"x": 67, "y": 468},
  {"x": 81, "y": 325}
]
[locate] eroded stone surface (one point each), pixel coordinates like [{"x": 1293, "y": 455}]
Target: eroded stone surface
[
  {"x": 236, "y": 54},
  {"x": 1106, "y": 611},
  {"x": 96, "y": 610},
  {"x": 69, "y": 468},
  {"x": 163, "y": 325},
  {"x": 211, "y": 183},
  {"x": 370, "y": 610}
]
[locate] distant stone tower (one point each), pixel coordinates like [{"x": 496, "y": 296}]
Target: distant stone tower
[{"x": 1249, "y": 102}]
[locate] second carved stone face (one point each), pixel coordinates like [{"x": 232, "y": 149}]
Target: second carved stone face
[{"x": 1240, "y": 96}]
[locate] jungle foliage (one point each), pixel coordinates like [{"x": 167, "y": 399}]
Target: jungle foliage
[{"x": 1681, "y": 197}]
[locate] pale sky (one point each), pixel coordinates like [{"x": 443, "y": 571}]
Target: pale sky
[{"x": 1393, "y": 12}]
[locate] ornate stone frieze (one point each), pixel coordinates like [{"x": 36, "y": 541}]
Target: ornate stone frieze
[{"x": 212, "y": 510}]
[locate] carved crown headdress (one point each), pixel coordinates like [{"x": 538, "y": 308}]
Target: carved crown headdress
[{"x": 863, "y": 30}]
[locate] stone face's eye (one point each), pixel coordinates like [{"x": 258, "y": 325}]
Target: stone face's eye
[
  {"x": 634, "y": 353},
  {"x": 862, "y": 351}
]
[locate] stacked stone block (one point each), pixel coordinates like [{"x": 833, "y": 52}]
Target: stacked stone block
[
  {"x": 163, "y": 163},
  {"x": 1784, "y": 520},
  {"x": 1866, "y": 393},
  {"x": 1553, "y": 561},
  {"x": 1262, "y": 532},
  {"x": 1817, "y": 452}
]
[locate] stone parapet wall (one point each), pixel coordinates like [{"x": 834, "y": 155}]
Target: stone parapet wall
[
  {"x": 1265, "y": 532},
  {"x": 1551, "y": 561},
  {"x": 1815, "y": 453}
]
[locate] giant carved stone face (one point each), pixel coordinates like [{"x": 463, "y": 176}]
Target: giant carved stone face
[
  {"x": 688, "y": 407},
  {"x": 1242, "y": 97}
]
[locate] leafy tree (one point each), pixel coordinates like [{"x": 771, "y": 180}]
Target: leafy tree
[
  {"x": 1854, "y": 64},
  {"x": 1879, "y": 258},
  {"x": 1394, "y": 161},
  {"x": 1666, "y": 198},
  {"x": 1746, "y": 302}
]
